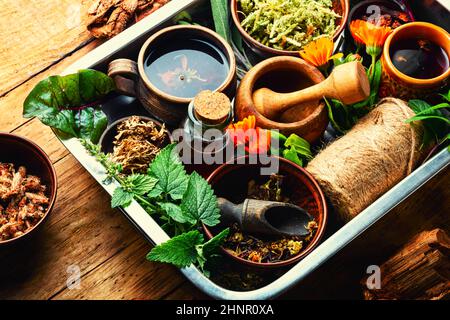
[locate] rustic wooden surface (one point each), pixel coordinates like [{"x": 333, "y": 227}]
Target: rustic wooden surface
[{"x": 40, "y": 38}]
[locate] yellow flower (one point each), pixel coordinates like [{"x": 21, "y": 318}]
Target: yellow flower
[
  {"x": 369, "y": 34},
  {"x": 319, "y": 52}
]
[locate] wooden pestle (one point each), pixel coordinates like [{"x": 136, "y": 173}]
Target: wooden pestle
[{"x": 348, "y": 83}]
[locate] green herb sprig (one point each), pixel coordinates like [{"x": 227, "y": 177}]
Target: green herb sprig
[
  {"x": 293, "y": 148},
  {"x": 181, "y": 202},
  {"x": 435, "y": 122}
]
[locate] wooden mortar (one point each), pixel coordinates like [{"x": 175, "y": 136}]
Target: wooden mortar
[{"x": 284, "y": 74}]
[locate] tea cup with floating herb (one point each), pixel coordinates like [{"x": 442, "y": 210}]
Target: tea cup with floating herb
[
  {"x": 415, "y": 61},
  {"x": 174, "y": 65}
]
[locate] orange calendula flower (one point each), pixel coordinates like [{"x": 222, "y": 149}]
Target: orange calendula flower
[
  {"x": 319, "y": 52},
  {"x": 245, "y": 132},
  {"x": 369, "y": 34}
]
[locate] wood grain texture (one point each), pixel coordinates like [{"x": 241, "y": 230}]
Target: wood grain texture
[
  {"x": 11, "y": 103},
  {"x": 36, "y": 34}
]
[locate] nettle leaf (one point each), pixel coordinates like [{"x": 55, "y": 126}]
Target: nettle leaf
[
  {"x": 141, "y": 184},
  {"x": 70, "y": 104},
  {"x": 170, "y": 172},
  {"x": 199, "y": 203},
  {"x": 210, "y": 247},
  {"x": 173, "y": 211},
  {"x": 121, "y": 198},
  {"x": 180, "y": 251}
]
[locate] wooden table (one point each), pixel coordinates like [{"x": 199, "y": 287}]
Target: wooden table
[{"x": 42, "y": 38}]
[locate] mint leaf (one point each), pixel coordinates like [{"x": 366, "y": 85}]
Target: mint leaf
[
  {"x": 180, "y": 251},
  {"x": 174, "y": 212},
  {"x": 199, "y": 203},
  {"x": 141, "y": 184},
  {"x": 168, "y": 169},
  {"x": 121, "y": 198}
]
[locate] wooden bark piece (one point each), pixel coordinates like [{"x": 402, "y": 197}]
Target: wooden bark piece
[{"x": 421, "y": 270}]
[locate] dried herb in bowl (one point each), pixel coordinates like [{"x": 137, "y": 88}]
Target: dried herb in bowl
[
  {"x": 288, "y": 25},
  {"x": 255, "y": 249},
  {"x": 137, "y": 143}
]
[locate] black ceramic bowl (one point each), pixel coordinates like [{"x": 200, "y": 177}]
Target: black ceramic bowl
[{"x": 23, "y": 152}]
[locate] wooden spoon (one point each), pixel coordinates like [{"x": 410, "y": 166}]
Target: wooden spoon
[
  {"x": 266, "y": 217},
  {"x": 348, "y": 83}
]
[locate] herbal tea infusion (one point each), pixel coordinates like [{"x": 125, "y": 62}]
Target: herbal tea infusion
[{"x": 184, "y": 68}]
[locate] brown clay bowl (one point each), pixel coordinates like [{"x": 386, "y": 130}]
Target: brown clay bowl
[
  {"x": 231, "y": 181},
  {"x": 284, "y": 74},
  {"x": 23, "y": 152},
  {"x": 108, "y": 137},
  {"x": 340, "y": 6}
]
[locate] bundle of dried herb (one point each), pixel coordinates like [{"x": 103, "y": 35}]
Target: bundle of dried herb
[
  {"x": 288, "y": 24},
  {"x": 137, "y": 144}
]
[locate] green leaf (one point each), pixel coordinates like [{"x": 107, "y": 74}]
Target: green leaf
[
  {"x": 141, "y": 184},
  {"x": 299, "y": 144},
  {"x": 180, "y": 251},
  {"x": 70, "y": 104},
  {"x": 433, "y": 120},
  {"x": 292, "y": 155},
  {"x": 220, "y": 16},
  {"x": 210, "y": 247},
  {"x": 170, "y": 172},
  {"x": 174, "y": 212},
  {"x": 199, "y": 203},
  {"x": 121, "y": 198}
]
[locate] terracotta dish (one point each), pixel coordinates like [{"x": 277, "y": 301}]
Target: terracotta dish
[{"x": 231, "y": 180}]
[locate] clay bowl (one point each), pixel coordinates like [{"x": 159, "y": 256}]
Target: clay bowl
[
  {"x": 398, "y": 84},
  {"x": 23, "y": 152},
  {"x": 231, "y": 181},
  {"x": 284, "y": 74},
  {"x": 340, "y": 6},
  {"x": 107, "y": 138},
  {"x": 360, "y": 9}
]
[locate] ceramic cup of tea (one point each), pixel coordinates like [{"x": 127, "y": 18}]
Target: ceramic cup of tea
[
  {"x": 415, "y": 61},
  {"x": 173, "y": 66}
]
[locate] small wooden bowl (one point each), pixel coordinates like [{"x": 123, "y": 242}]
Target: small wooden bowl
[
  {"x": 23, "y": 152},
  {"x": 340, "y": 6},
  {"x": 107, "y": 139},
  {"x": 309, "y": 121},
  {"x": 231, "y": 180}
]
